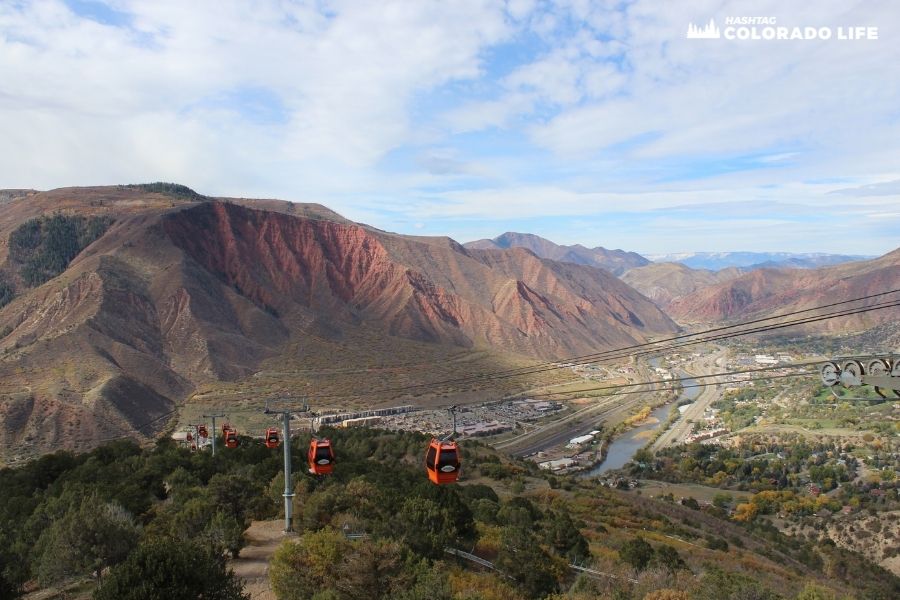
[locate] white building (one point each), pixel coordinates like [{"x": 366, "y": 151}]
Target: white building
[
  {"x": 557, "y": 465},
  {"x": 581, "y": 439}
]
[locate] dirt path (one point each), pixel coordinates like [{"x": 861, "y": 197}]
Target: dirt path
[{"x": 252, "y": 566}]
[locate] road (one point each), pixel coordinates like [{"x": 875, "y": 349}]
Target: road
[
  {"x": 613, "y": 409},
  {"x": 559, "y": 432},
  {"x": 707, "y": 365}
]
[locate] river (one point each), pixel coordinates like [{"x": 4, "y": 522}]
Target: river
[{"x": 623, "y": 447}]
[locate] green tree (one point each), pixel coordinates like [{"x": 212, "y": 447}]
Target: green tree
[
  {"x": 690, "y": 503},
  {"x": 187, "y": 520},
  {"x": 717, "y": 584},
  {"x": 667, "y": 557},
  {"x": 485, "y": 510},
  {"x": 166, "y": 569},
  {"x": 643, "y": 456},
  {"x": 87, "y": 539},
  {"x": 8, "y": 589},
  {"x": 45, "y": 246},
  {"x": 637, "y": 553},
  {"x": 234, "y": 493},
  {"x": 522, "y": 558},
  {"x": 426, "y": 527},
  {"x": 430, "y": 583},
  {"x": 716, "y": 543},
  {"x": 565, "y": 539},
  {"x": 722, "y": 500},
  {"x": 302, "y": 567},
  {"x": 7, "y": 293},
  {"x": 324, "y": 564},
  {"x": 372, "y": 569},
  {"x": 182, "y": 484},
  {"x": 225, "y": 532}
]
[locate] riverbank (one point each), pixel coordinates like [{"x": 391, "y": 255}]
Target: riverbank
[{"x": 622, "y": 448}]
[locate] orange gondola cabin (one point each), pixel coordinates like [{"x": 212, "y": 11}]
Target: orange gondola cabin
[
  {"x": 321, "y": 457},
  {"x": 272, "y": 438},
  {"x": 201, "y": 431},
  {"x": 442, "y": 462},
  {"x": 230, "y": 435}
]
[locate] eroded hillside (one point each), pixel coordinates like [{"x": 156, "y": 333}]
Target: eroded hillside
[{"x": 176, "y": 292}]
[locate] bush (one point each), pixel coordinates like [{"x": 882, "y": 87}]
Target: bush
[
  {"x": 522, "y": 558},
  {"x": 667, "y": 557},
  {"x": 565, "y": 539},
  {"x": 717, "y": 584},
  {"x": 88, "y": 538},
  {"x": 690, "y": 503},
  {"x": 637, "y": 553},
  {"x": 325, "y": 564},
  {"x": 8, "y": 589},
  {"x": 715, "y": 543},
  {"x": 164, "y": 569}
]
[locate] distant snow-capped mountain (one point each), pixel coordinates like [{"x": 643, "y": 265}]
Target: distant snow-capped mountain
[{"x": 716, "y": 261}]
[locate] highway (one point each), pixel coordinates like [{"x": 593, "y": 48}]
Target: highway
[
  {"x": 707, "y": 365},
  {"x": 614, "y": 409},
  {"x": 557, "y": 433}
]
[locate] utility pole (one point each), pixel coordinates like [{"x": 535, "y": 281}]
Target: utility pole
[
  {"x": 288, "y": 486},
  {"x": 452, "y": 411},
  {"x": 213, "y": 432}
]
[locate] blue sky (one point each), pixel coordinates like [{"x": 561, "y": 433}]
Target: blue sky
[{"x": 587, "y": 122}]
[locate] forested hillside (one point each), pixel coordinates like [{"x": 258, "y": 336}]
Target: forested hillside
[{"x": 137, "y": 523}]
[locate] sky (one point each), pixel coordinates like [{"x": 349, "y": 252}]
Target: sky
[{"x": 588, "y": 122}]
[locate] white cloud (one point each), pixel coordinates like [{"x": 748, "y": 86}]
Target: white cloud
[
  {"x": 346, "y": 79},
  {"x": 882, "y": 188},
  {"x": 719, "y": 97},
  {"x": 606, "y": 107}
]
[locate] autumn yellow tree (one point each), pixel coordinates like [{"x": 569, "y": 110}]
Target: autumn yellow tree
[{"x": 745, "y": 512}]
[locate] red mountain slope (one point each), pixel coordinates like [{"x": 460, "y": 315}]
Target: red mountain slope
[
  {"x": 775, "y": 291},
  {"x": 183, "y": 291}
]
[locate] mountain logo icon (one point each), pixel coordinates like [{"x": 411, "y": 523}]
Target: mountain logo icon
[{"x": 710, "y": 32}]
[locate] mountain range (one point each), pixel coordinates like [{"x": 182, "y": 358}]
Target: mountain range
[
  {"x": 769, "y": 291},
  {"x": 619, "y": 262},
  {"x": 121, "y": 305},
  {"x": 716, "y": 261},
  {"x": 614, "y": 261},
  {"x": 121, "y": 302}
]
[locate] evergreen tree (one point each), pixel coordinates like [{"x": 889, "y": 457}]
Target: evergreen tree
[
  {"x": 166, "y": 569},
  {"x": 522, "y": 558},
  {"x": 87, "y": 539},
  {"x": 637, "y": 553}
]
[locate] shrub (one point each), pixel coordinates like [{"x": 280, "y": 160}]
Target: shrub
[{"x": 164, "y": 569}]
